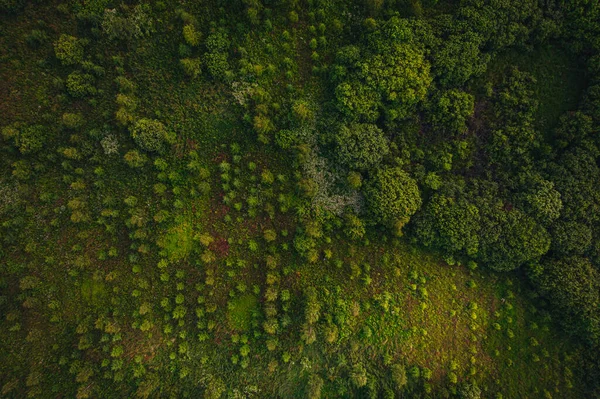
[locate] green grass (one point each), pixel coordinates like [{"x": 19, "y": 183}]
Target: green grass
[
  {"x": 427, "y": 321},
  {"x": 240, "y": 315}
]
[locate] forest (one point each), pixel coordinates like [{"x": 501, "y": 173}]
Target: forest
[{"x": 300, "y": 199}]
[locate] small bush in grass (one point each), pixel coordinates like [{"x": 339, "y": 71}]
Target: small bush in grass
[
  {"x": 72, "y": 121},
  {"x": 191, "y": 35},
  {"x": 358, "y": 375},
  {"x": 134, "y": 159},
  {"x": 270, "y": 235},
  {"x": 151, "y": 135},
  {"x": 452, "y": 378},
  {"x": 80, "y": 84},
  {"x": 192, "y": 67},
  {"x": 68, "y": 49}
]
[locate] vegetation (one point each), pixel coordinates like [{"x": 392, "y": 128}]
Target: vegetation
[{"x": 283, "y": 199}]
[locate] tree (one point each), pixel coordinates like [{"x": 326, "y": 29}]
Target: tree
[
  {"x": 27, "y": 138},
  {"x": 576, "y": 175},
  {"x": 571, "y": 238},
  {"x": 151, "y": 135},
  {"x": 191, "y": 66},
  {"x": 450, "y": 111},
  {"x": 469, "y": 391},
  {"x": 361, "y": 146},
  {"x": 358, "y": 375},
  {"x": 459, "y": 58},
  {"x": 393, "y": 197},
  {"x": 390, "y": 74},
  {"x": 399, "y": 376},
  {"x": 573, "y": 286},
  {"x": 314, "y": 386},
  {"x": 191, "y": 35},
  {"x": 68, "y": 49},
  {"x": 216, "y": 59},
  {"x": 451, "y": 224},
  {"x": 80, "y": 84},
  {"x": 134, "y": 159},
  {"x": 400, "y": 75},
  {"x": 543, "y": 200},
  {"x": 510, "y": 239}
]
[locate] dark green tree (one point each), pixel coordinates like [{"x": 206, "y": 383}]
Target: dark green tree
[
  {"x": 361, "y": 146},
  {"x": 393, "y": 197}
]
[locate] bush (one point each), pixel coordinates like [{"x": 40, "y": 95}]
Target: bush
[
  {"x": 393, "y": 197},
  {"x": 72, "y": 121},
  {"x": 399, "y": 376},
  {"x": 80, "y": 84},
  {"x": 191, "y": 35},
  {"x": 151, "y": 135},
  {"x": 134, "y": 159},
  {"x": 192, "y": 67},
  {"x": 314, "y": 386},
  {"x": 361, "y": 146},
  {"x": 358, "y": 375},
  {"x": 68, "y": 49},
  {"x": 28, "y": 139}
]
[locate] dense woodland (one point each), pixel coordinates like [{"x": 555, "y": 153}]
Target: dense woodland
[{"x": 300, "y": 199}]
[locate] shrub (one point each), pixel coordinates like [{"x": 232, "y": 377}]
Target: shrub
[
  {"x": 314, "y": 386},
  {"x": 192, "y": 67},
  {"x": 80, "y": 84},
  {"x": 72, "y": 121},
  {"x": 358, "y": 375},
  {"x": 151, "y": 135},
  {"x": 29, "y": 139},
  {"x": 393, "y": 197},
  {"x": 399, "y": 378},
  {"x": 68, "y": 49},
  {"x": 134, "y": 159},
  {"x": 191, "y": 35}
]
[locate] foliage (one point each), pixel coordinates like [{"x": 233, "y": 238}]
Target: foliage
[
  {"x": 392, "y": 196},
  {"x": 361, "y": 146},
  {"x": 68, "y": 49},
  {"x": 192, "y": 67},
  {"x": 573, "y": 287},
  {"x": 451, "y": 111},
  {"x": 451, "y": 224},
  {"x": 151, "y": 135},
  {"x": 81, "y": 84}
]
